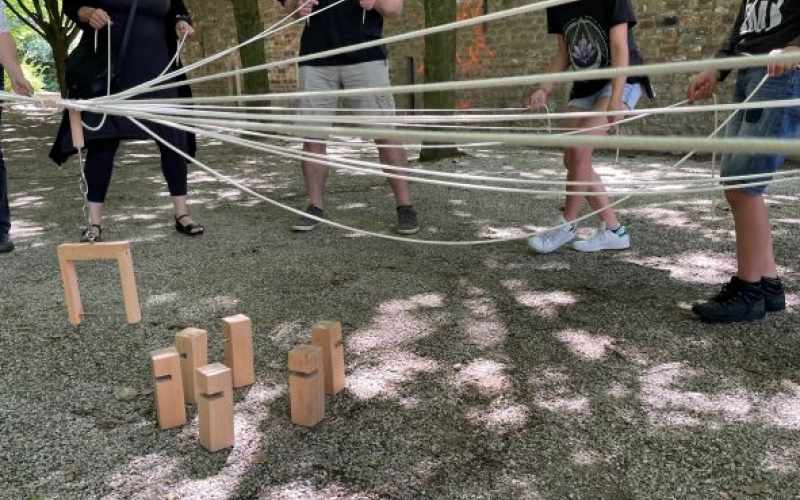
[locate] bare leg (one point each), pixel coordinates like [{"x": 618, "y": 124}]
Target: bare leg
[
  {"x": 578, "y": 162},
  {"x": 396, "y": 157},
  {"x": 754, "y": 248},
  {"x": 315, "y": 175}
]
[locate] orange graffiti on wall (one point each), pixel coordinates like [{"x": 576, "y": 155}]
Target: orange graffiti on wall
[{"x": 472, "y": 57}]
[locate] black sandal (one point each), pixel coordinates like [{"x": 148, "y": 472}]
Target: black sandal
[
  {"x": 192, "y": 229},
  {"x": 90, "y": 236}
]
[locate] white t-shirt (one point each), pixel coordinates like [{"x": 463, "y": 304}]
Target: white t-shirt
[{"x": 4, "y": 28}]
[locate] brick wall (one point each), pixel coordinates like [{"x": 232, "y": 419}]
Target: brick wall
[{"x": 668, "y": 30}]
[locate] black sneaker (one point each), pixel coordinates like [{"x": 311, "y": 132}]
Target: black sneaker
[
  {"x": 407, "y": 222},
  {"x": 307, "y": 223},
  {"x": 737, "y": 301},
  {"x": 774, "y": 295},
  {"x": 6, "y": 245}
]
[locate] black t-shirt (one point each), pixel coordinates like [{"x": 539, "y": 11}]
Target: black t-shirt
[
  {"x": 586, "y": 25},
  {"x": 761, "y": 27},
  {"x": 341, "y": 26}
]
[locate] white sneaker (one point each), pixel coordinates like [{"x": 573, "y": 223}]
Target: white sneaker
[
  {"x": 604, "y": 239},
  {"x": 552, "y": 239}
]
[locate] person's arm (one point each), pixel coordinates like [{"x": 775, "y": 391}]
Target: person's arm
[
  {"x": 8, "y": 59},
  {"x": 179, "y": 13},
  {"x": 299, "y": 8},
  {"x": 386, "y": 8},
  {"x": 620, "y": 58},
  {"x": 558, "y": 63}
]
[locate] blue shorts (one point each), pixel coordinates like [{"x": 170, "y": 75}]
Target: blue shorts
[
  {"x": 774, "y": 123},
  {"x": 630, "y": 96}
]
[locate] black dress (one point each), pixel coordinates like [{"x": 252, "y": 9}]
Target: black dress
[{"x": 151, "y": 46}]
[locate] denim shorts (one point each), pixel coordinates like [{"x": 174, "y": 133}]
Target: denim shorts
[
  {"x": 773, "y": 123},
  {"x": 630, "y": 96}
]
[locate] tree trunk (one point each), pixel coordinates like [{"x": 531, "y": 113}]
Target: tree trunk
[
  {"x": 440, "y": 66},
  {"x": 46, "y": 18},
  {"x": 248, "y": 25}
]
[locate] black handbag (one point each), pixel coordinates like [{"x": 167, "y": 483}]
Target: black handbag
[{"x": 86, "y": 71}]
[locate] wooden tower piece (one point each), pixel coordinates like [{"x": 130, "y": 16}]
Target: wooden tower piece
[
  {"x": 170, "y": 407},
  {"x": 192, "y": 345},
  {"x": 327, "y": 335},
  {"x": 215, "y": 406},
  {"x": 306, "y": 385},
  {"x": 238, "y": 349},
  {"x": 120, "y": 251}
]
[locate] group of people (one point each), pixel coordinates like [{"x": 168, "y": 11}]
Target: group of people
[{"x": 589, "y": 34}]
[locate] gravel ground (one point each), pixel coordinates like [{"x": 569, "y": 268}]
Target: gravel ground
[{"x": 474, "y": 372}]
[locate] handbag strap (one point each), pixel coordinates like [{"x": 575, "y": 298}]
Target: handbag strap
[{"x": 124, "y": 49}]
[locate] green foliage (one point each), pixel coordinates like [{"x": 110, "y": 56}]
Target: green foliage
[{"x": 37, "y": 56}]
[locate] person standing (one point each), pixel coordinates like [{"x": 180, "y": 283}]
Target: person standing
[
  {"x": 345, "y": 24},
  {"x": 9, "y": 61},
  {"x": 592, "y": 34},
  {"x": 761, "y": 27},
  {"x": 152, "y": 43}
]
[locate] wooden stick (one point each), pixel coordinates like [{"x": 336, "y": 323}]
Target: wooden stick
[
  {"x": 76, "y": 127},
  {"x": 170, "y": 407},
  {"x": 238, "y": 349},
  {"x": 215, "y": 406},
  {"x": 327, "y": 335}
]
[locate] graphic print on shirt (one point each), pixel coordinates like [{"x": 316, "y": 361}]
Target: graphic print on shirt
[
  {"x": 761, "y": 16},
  {"x": 587, "y": 44}
]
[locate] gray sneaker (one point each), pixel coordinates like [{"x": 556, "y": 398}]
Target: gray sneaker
[
  {"x": 407, "y": 222},
  {"x": 307, "y": 223}
]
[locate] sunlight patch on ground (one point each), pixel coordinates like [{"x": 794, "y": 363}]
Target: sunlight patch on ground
[
  {"x": 573, "y": 405},
  {"x": 398, "y": 322},
  {"x": 164, "y": 298},
  {"x": 26, "y": 202},
  {"x": 587, "y": 458},
  {"x": 387, "y": 373},
  {"x": 141, "y": 475},
  {"x": 585, "y": 345},
  {"x": 484, "y": 327},
  {"x": 221, "y": 303},
  {"x": 545, "y": 304},
  {"x": 487, "y": 231},
  {"x": 306, "y": 491},
  {"x": 661, "y": 216},
  {"x": 21, "y": 228},
  {"x": 524, "y": 486},
  {"x": 486, "y": 376},
  {"x": 696, "y": 267},
  {"x": 783, "y": 461},
  {"x": 500, "y": 416},
  {"x": 353, "y": 206}
]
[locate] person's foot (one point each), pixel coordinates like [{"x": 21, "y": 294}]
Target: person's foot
[
  {"x": 305, "y": 223},
  {"x": 774, "y": 294},
  {"x": 6, "y": 245},
  {"x": 604, "y": 239},
  {"x": 407, "y": 222},
  {"x": 553, "y": 239},
  {"x": 93, "y": 234},
  {"x": 737, "y": 301},
  {"x": 184, "y": 224}
]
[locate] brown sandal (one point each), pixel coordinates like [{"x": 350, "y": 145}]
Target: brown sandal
[
  {"x": 192, "y": 229},
  {"x": 90, "y": 236}
]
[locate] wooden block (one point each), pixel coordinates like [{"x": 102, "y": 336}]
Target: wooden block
[
  {"x": 238, "y": 349},
  {"x": 306, "y": 385},
  {"x": 120, "y": 251},
  {"x": 170, "y": 407},
  {"x": 192, "y": 345},
  {"x": 215, "y": 406},
  {"x": 327, "y": 335}
]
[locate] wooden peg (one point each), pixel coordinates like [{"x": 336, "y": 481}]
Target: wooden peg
[
  {"x": 215, "y": 406},
  {"x": 306, "y": 386},
  {"x": 238, "y": 349},
  {"x": 76, "y": 127},
  {"x": 192, "y": 345},
  {"x": 170, "y": 407},
  {"x": 327, "y": 335}
]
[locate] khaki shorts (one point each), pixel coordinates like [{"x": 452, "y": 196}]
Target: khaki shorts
[{"x": 351, "y": 76}]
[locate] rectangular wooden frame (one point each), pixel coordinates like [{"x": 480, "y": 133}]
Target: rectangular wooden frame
[{"x": 120, "y": 251}]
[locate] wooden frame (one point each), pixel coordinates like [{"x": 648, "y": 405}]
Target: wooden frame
[{"x": 120, "y": 251}]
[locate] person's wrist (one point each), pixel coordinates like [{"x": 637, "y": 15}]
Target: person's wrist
[
  {"x": 185, "y": 18},
  {"x": 546, "y": 91}
]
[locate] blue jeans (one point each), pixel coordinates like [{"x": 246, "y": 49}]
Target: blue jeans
[
  {"x": 5, "y": 212},
  {"x": 631, "y": 94},
  {"x": 775, "y": 123}
]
